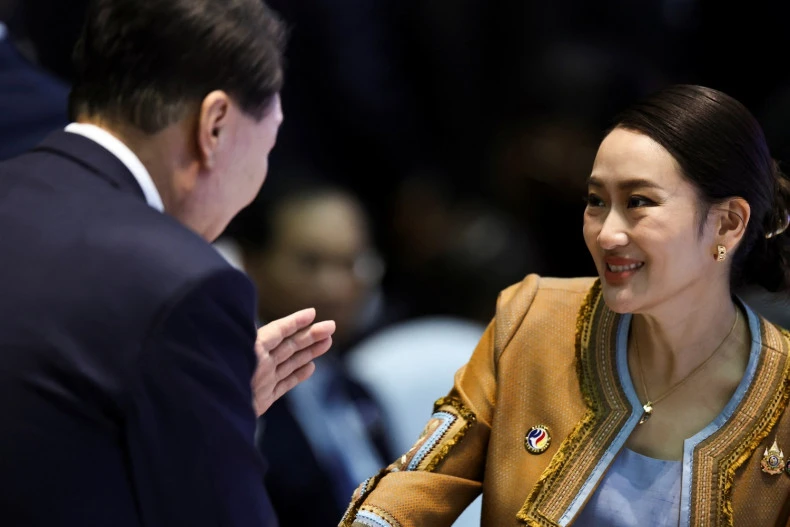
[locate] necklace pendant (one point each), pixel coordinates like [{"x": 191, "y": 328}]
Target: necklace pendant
[{"x": 648, "y": 408}]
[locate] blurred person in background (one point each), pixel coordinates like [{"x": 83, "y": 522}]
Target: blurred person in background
[
  {"x": 131, "y": 372},
  {"x": 648, "y": 395},
  {"x": 33, "y": 101},
  {"x": 307, "y": 241}
]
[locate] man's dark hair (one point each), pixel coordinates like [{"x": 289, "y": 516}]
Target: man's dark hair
[{"x": 143, "y": 62}]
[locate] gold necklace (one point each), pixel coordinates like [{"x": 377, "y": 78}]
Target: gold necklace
[{"x": 648, "y": 406}]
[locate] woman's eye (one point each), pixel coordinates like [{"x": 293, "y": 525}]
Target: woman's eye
[
  {"x": 639, "y": 201},
  {"x": 593, "y": 201}
]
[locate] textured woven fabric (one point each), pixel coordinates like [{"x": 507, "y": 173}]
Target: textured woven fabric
[{"x": 550, "y": 358}]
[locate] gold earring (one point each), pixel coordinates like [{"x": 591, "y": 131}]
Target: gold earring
[{"x": 721, "y": 253}]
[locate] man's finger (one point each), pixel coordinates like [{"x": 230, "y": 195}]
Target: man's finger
[
  {"x": 299, "y": 375},
  {"x": 302, "y": 357},
  {"x": 302, "y": 339},
  {"x": 272, "y": 334}
]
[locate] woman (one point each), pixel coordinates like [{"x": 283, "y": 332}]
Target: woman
[{"x": 649, "y": 396}]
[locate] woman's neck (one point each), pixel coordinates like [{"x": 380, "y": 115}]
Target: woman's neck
[{"x": 672, "y": 344}]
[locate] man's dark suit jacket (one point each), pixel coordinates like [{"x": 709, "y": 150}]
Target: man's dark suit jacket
[
  {"x": 33, "y": 102},
  {"x": 126, "y": 354}
]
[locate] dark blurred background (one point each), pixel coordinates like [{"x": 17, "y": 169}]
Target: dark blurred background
[{"x": 468, "y": 127}]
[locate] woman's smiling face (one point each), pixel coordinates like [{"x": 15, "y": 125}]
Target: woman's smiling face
[{"x": 642, "y": 226}]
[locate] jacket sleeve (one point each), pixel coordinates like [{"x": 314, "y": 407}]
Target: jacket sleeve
[
  {"x": 190, "y": 420},
  {"x": 442, "y": 473}
]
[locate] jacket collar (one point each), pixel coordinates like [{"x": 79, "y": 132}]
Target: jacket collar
[{"x": 94, "y": 157}]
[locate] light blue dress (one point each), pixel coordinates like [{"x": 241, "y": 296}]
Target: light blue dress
[{"x": 637, "y": 491}]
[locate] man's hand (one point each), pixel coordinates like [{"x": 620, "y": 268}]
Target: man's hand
[{"x": 286, "y": 348}]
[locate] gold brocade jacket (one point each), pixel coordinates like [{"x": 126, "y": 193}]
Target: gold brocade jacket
[{"x": 555, "y": 356}]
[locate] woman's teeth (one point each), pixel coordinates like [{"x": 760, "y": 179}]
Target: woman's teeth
[{"x": 623, "y": 268}]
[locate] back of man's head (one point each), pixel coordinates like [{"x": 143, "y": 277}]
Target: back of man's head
[{"x": 145, "y": 62}]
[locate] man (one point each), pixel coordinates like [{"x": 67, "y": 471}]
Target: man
[
  {"x": 308, "y": 241},
  {"x": 127, "y": 343}
]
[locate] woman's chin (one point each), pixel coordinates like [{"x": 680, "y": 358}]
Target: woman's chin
[{"x": 618, "y": 301}]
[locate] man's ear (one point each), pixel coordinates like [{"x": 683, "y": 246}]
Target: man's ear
[
  {"x": 733, "y": 217},
  {"x": 212, "y": 121}
]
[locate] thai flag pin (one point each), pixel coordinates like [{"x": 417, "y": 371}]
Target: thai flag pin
[{"x": 538, "y": 439}]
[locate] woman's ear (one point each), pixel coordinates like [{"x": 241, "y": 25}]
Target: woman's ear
[{"x": 734, "y": 214}]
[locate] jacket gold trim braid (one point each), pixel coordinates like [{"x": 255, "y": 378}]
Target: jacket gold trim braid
[{"x": 555, "y": 355}]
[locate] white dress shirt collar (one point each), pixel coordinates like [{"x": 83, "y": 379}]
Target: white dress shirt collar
[{"x": 127, "y": 157}]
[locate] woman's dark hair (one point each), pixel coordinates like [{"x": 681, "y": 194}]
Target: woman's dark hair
[
  {"x": 721, "y": 149},
  {"x": 144, "y": 62}
]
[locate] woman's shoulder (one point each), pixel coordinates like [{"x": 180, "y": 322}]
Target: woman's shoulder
[
  {"x": 524, "y": 292},
  {"x": 543, "y": 297}
]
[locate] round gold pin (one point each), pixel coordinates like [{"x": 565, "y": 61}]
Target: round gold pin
[{"x": 537, "y": 439}]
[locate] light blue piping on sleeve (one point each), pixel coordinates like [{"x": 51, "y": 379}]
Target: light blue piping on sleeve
[
  {"x": 371, "y": 519},
  {"x": 447, "y": 420}
]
